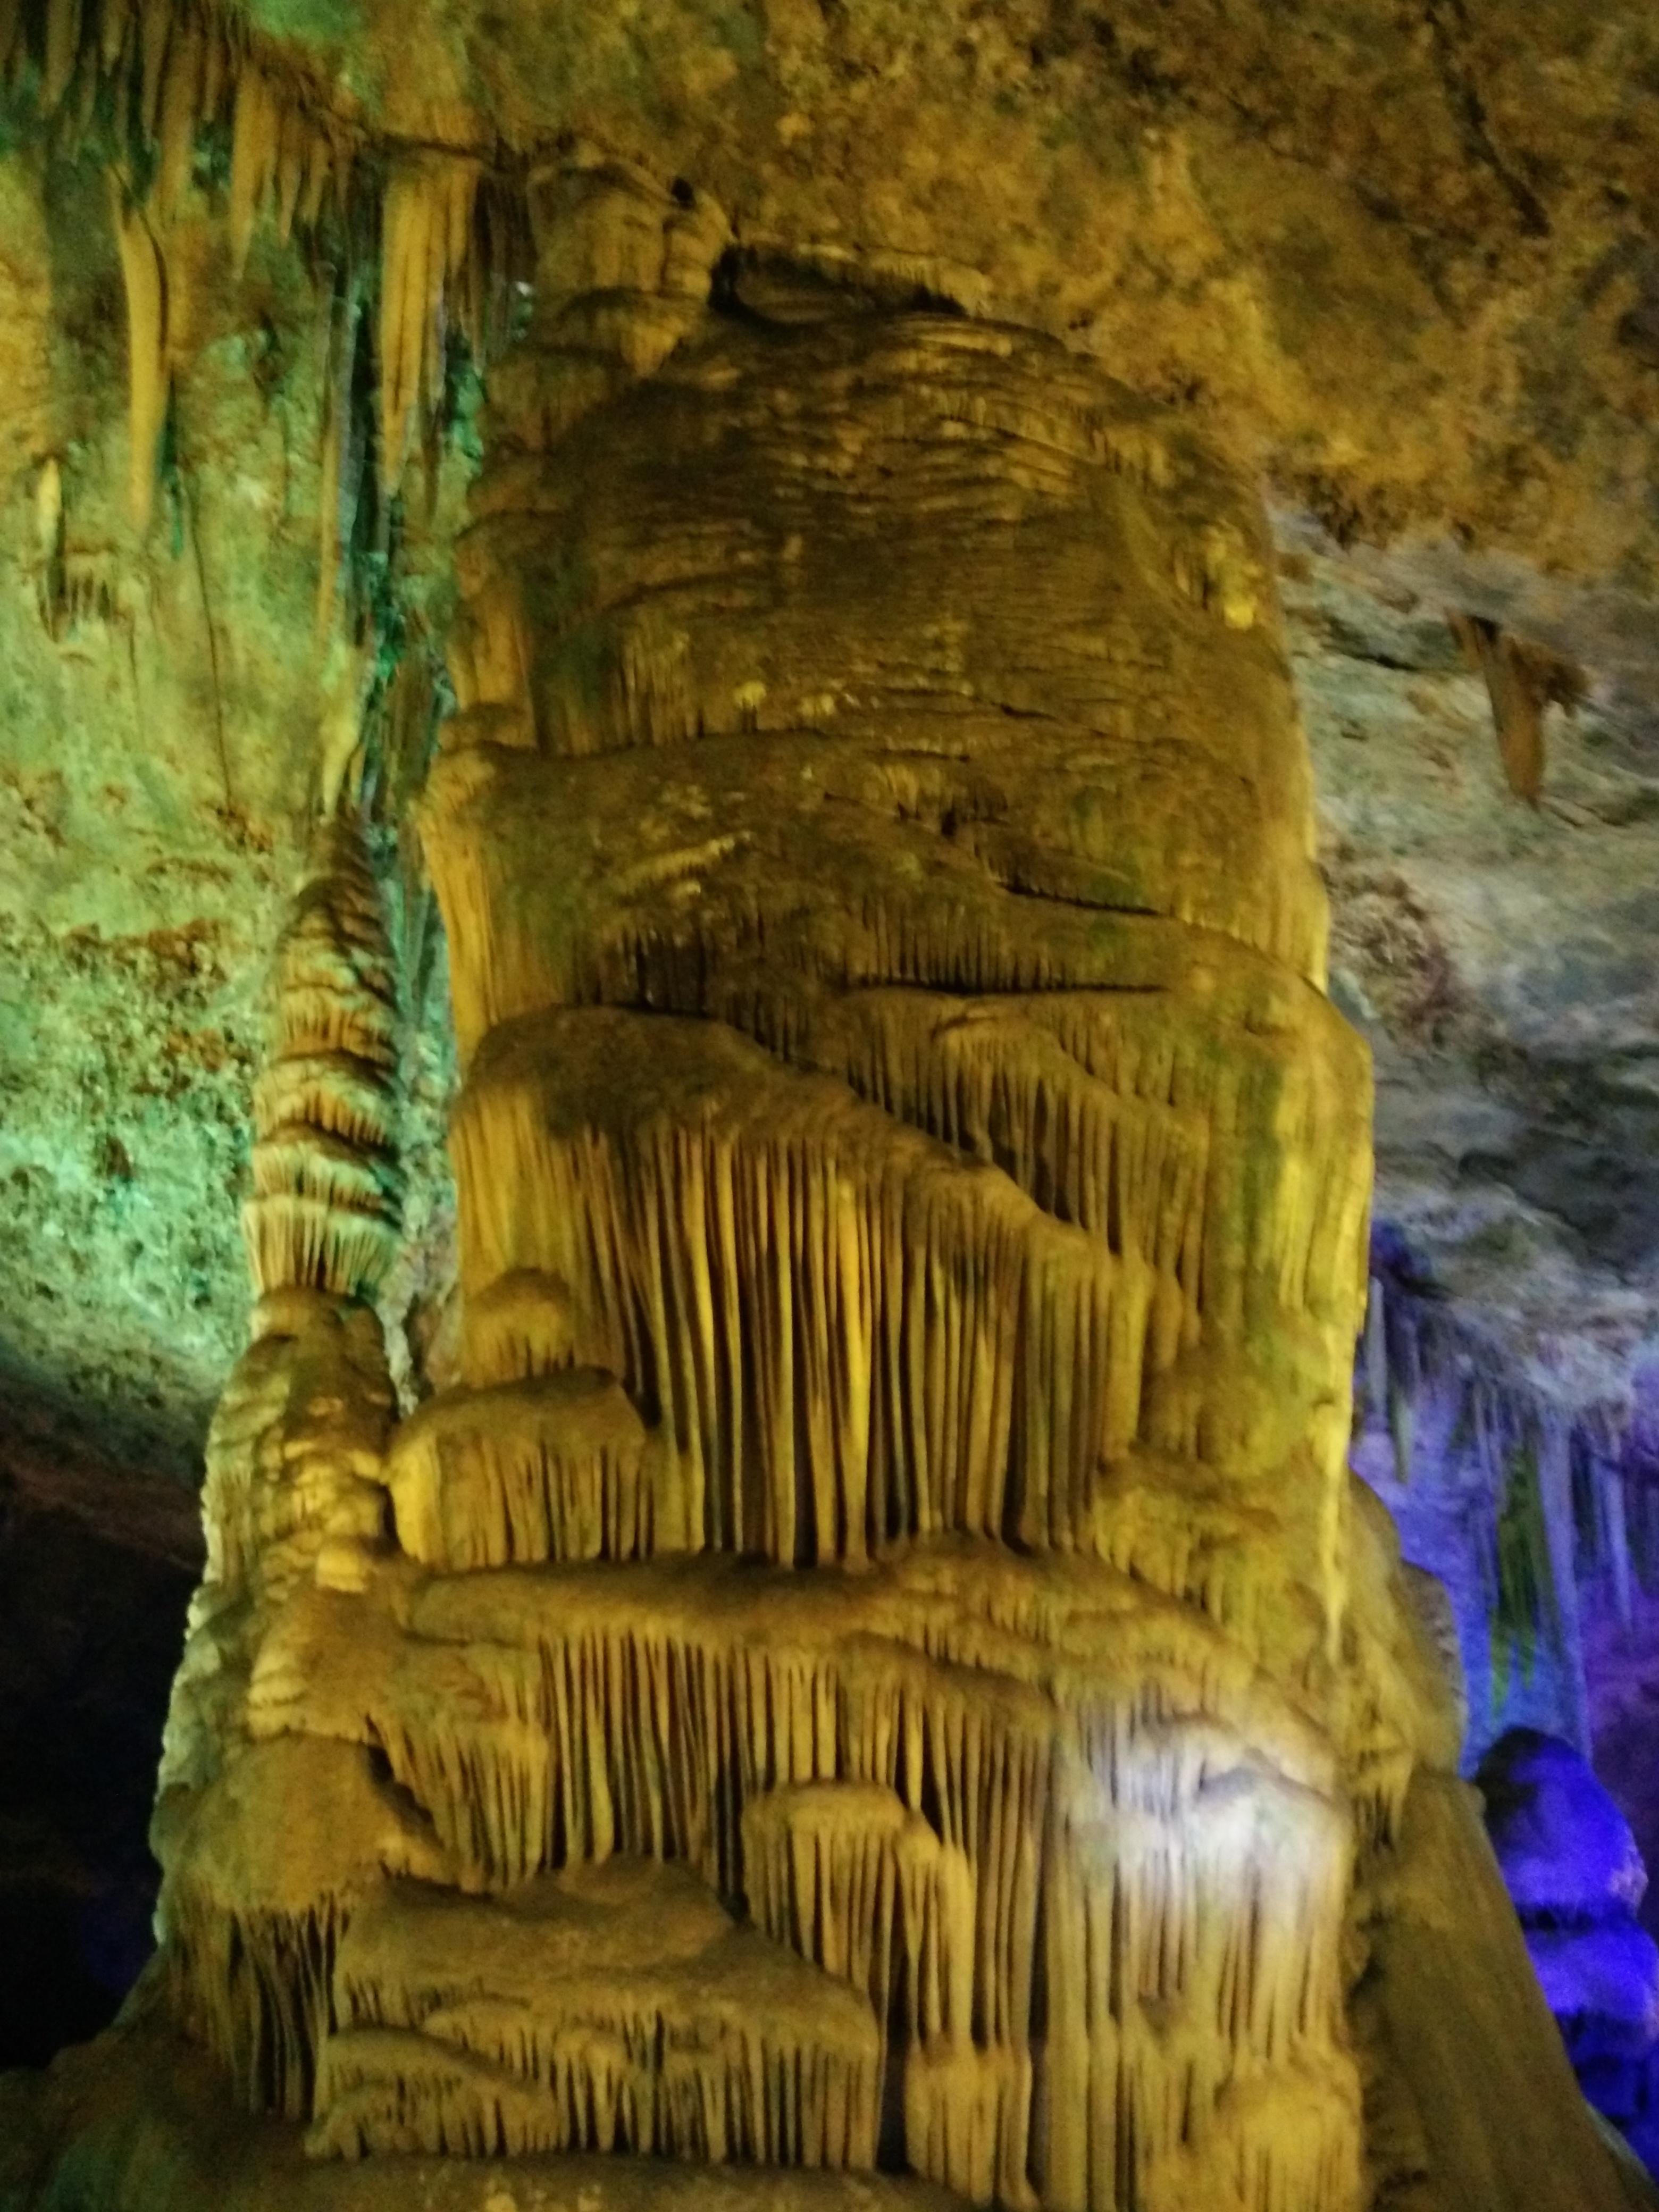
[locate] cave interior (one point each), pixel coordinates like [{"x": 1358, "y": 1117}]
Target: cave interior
[{"x": 828, "y": 1144}]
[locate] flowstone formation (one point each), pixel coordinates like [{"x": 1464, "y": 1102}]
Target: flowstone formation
[
  {"x": 878, "y": 1664},
  {"x": 875, "y": 1081}
]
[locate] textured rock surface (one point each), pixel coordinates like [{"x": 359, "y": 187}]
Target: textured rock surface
[
  {"x": 1496, "y": 957},
  {"x": 1372, "y": 242},
  {"x": 771, "y": 978},
  {"x": 1571, "y": 1866},
  {"x": 166, "y": 721},
  {"x": 1566, "y": 1851}
]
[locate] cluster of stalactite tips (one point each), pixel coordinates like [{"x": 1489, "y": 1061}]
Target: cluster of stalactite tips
[
  {"x": 874, "y": 1664},
  {"x": 1554, "y": 1514},
  {"x": 201, "y": 121}
]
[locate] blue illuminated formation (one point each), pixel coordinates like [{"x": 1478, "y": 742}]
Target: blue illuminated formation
[{"x": 1571, "y": 1865}]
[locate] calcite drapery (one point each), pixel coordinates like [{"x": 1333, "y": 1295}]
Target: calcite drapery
[{"x": 911, "y": 1190}]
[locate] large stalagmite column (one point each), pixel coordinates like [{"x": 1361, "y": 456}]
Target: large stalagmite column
[
  {"x": 858, "y": 1673},
  {"x": 901, "y": 1113}
]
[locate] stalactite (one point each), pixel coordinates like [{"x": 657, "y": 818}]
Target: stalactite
[
  {"x": 1554, "y": 1478},
  {"x": 1610, "y": 1495},
  {"x": 1416, "y": 1355},
  {"x": 144, "y": 276},
  {"x": 861, "y": 1884},
  {"x": 327, "y": 1187},
  {"x": 62, "y": 51},
  {"x": 1521, "y": 680},
  {"x": 427, "y": 231},
  {"x": 343, "y": 436},
  {"x": 1400, "y": 1431},
  {"x": 1231, "y": 1921},
  {"x": 975, "y": 1348},
  {"x": 847, "y": 1875},
  {"x": 253, "y": 154},
  {"x": 1375, "y": 1346},
  {"x": 1644, "y": 1544},
  {"x": 155, "y": 26},
  {"x": 51, "y": 591},
  {"x": 153, "y": 74},
  {"x": 183, "y": 103},
  {"x": 967, "y": 2118},
  {"x": 1525, "y": 1605},
  {"x": 269, "y": 1975},
  {"x": 145, "y": 77}
]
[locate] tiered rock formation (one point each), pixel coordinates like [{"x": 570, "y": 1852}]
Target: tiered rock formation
[
  {"x": 877, "y": 1663},
  {"x": 327, "y": 1188},
  {"x": 912, "y": 1192}
]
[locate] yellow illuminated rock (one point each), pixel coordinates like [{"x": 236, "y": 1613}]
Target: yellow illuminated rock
[{"x": 911, "y": 1190}]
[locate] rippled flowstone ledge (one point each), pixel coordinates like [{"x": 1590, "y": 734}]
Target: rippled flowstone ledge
[{"x": 139, "y": 2121}]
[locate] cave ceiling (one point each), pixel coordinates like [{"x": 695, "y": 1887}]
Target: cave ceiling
[{"x": 1401, "y": 260}]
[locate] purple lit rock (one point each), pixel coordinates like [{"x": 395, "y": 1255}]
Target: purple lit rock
[
  {"x": 1607, "y": 1977},
  {"x": 1566, "y": 1850}
]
